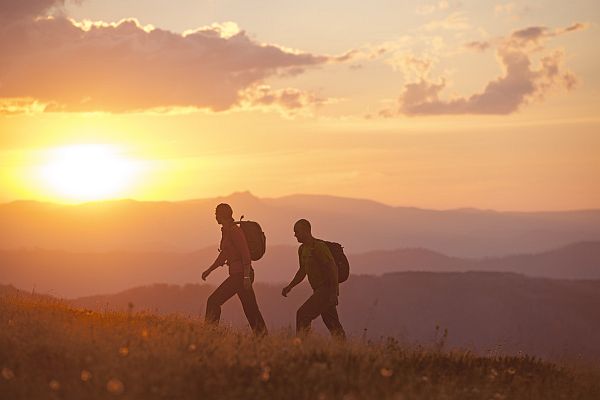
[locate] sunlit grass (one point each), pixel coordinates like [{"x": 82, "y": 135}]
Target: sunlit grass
[{"x": 49, "y": 350}]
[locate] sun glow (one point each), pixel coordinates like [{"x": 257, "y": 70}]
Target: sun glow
[{"x": 88, "y": 172}]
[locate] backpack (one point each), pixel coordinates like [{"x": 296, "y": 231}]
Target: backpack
[
  {"x": 255, "y": 237},
  {"x": 337, "y": 251}
]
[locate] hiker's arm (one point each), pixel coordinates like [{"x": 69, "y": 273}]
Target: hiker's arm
[
  {"x": 219, "y": 261},
  {"x": 299, "y": 277}
]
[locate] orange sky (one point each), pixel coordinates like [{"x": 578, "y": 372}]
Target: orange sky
[{"x": 435, "y": 104}]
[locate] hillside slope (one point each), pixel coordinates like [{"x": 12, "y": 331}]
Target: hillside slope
[
  {"x": 481, "y": 310},
  {"x": 49, "y": 350}
]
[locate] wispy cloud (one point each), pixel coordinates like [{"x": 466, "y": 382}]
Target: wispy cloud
[
  {"x": 288, "y": 101},
  {"x": 523, "y": 80}
]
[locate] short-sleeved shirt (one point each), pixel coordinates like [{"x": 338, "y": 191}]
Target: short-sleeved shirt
[
  {"x": 234, "y": 249},
  {"x": 313, "y": 260}
]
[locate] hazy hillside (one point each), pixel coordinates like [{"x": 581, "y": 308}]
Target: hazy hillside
[
  {"x": 482, "y": 311},
  {"x": 361, "y": 225},
  {"x": 574, "y": 261},
  {"x": 70, "y": 274}
]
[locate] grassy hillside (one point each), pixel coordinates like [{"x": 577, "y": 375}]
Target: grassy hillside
[
  {"x": 51, "y": 351},
  {"x": 481, "y": 310}
]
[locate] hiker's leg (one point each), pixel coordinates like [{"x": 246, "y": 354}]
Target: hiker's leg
[
  {"x": 332, "y": 322},
  {"x": 221, "y": 294},
  {"x": 250, "y": 306},
  {"x": 308, "y": 311}
]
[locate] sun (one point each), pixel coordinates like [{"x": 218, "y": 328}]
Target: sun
[{"x": 86, "y": 172}]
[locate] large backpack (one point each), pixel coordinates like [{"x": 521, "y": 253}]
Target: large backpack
[
  {"x": 255, "y": 237},
  {"x": 337, "y": 251}
]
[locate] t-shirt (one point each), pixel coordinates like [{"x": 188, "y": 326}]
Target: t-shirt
[
  {"x": 313, "y": 260},
  {"x": 234, "y": 249}
]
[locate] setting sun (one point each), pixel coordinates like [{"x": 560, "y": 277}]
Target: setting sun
[{"x": 88, "y": 172}]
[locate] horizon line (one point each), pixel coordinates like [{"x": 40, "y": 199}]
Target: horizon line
[{"x": 250, "y": 194}]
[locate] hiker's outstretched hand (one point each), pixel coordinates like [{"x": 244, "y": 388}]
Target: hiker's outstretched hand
[
  {"x": 285, "y": 291},
  {"x": 206, "y": 273}
]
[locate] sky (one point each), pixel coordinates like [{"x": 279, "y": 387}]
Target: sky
[{"x": 435, "y": 104}]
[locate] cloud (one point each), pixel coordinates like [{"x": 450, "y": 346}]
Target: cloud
[
  {"x": 12, "y": 10},
  {"x": 412, "y": 65},
  {"x": 124, "y": 66},
  {"x": 523, "y": 80},
  {"x": 288, "y": 101},
  {"x": 479, "y": 46}
]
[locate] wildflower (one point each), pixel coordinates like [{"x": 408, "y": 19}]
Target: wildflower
[
  {"x": 424, "y": 379},
  {"x": 297, "y": 341},
  {"x": 115, "y": 386},
  {"x": 386, "y": 372},
  {"x": 511, "y": 371},
  {"x": 86, "y": 375},
  {"x": 265, "y": 375},
  {"x": 54, "y": 385},
  {"x": 123, "y": 351},
  {"x": 493, "y": 374},
  {"x": 7, "y": 373},
  {"x": 192, "y": 347}
]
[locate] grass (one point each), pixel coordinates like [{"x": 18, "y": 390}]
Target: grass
[{"x": 49, "y": 350}]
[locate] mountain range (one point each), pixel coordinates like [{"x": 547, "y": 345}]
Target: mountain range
[{"x": 360, "y": 225}]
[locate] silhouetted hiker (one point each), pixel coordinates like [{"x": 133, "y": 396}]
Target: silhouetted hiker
[
  {"x": 234, "y": 252},
  {"x": 317, "y": 262}
]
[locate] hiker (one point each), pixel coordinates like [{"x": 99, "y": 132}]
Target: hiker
[
  {"x": 233, "y": 251},
  {"x": 317, "y": 262}
]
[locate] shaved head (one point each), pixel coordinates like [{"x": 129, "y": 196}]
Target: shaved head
[
  {"x": 302, "y": 231},
  {"x": 303, "y": 224}
]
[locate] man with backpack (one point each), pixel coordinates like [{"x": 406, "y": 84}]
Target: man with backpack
[
  {"x": 317, "y": 262},
  {"x": 235, "y": 252}
]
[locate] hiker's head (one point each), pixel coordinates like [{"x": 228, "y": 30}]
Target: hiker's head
[
  {"x": 302, "y": 230},
  {"x": 223, "y": 213}
]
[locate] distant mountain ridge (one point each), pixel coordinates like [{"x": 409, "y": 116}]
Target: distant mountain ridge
[
  {"x": 360, "y": 225},
  {"x": 71, "y": 274}
]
